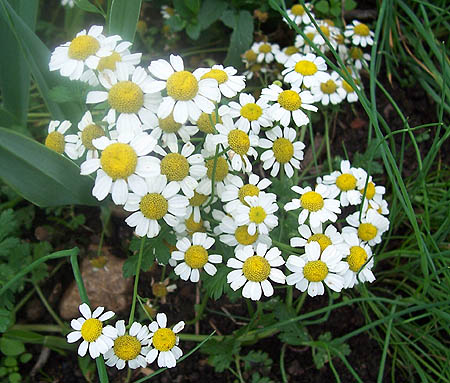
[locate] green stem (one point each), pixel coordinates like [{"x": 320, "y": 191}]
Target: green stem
[
  {"x": 327, "y": 140},
  {"x": 128, "y": 375},
  {"x": 238, "y": 368},
  {"x": 284, "y": 246},
  {"x": 136, "y": 281},
  {"x": 282, "y": 369},
  {"x": 300, "y": 302},
  {"x": 200, "y": 310},
  {"x": 49, "y": 308},
  {"x": 289, "y": 292}
]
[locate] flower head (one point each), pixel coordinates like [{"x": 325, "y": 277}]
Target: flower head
[
  {"x": 56, "y": 140},
  {"x": 307, "y": 70},
  {"x": 369, "y": 229},
  {"x": 359, "y": 33}
]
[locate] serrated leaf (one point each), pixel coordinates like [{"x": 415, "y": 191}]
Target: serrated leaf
[
  {"x": 210, "y": 12},
  {"x": 8, "y": 223},
  {"x": 294, "y": 333},
  {"x": 130, "y": 265},
  {"x": 221, "y": 353},
  {"x": 241, "y": 38},
  {"x": 123, "y": 18},
  {"x": 87, "y": 6},
  {"x": 215, "y": 285}
]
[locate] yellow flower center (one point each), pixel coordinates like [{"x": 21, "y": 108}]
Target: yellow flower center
[
  {"x": 217, "y": 74},
  {"x": 109, "y": 62},
  {"x": 361, "y": 29},
  {"x": 175, "y": 167},
  {"x": 98, "y": 262},
  {"x": 346, "y": 182},
  {"x": 55, "y": 141},
  {"x": 356, "y": 53},
  {"x": 159, "y": 289},
  {"x": 164, "y": 339},
  {"x": 243, "y": 237},
  {"x": 246, "y": 190},
  {"x": 325, "y": 30},
  {"x": 251, "y": 111},
  {"x": 328, "y": 87},
  {"x": 329, "y": 22},
  {"x": 347, "y": 87},
  {"x": 305, "y": 67},
  {"x": 312, "y": 201},
  {"x": 221, "y": 169},
  {"x": 357, "y": 258},
  {"x": 91, "y": 329},
  {"x": 370, "y": 192},
  {"x": 257, "y": 214},
  {"x": 153, "y": 206},
  {"x": 168, "y": 124},
  {"x": 340, "y": 38},
  {"x": 256, "y": 268},
  {"x": 89, "y": 133},
  {"x": 255, "y": 68},
  {"x": 309, "y": 35},
  {"x": 118, "y": 160},
  {"x": 127, "y": 347},
  {"x": 198, "y": 199},
  {"x": 82, "y": 47},
  {"x": 298, "y": 10},
  {"x": 315, "y": 271},
  {"x": 323, "y": 240},
  {"x": 265, "y": 48},
  {"x": 250, "y": 55},
  {"x": 204, "y": 122},
  {"x": 196, "y": 256},
  {"x": 194, "y": 227},
  {"x": 239, "y": 141},
  {"x": 283, "y": 150},
  {"x": 126, "y": 97},
  {"x": 367, "y": 231},
  {"x": 289, "y": 51},
  {"x": 182, "y": 86},
  {"x": 289, "y": 100}
]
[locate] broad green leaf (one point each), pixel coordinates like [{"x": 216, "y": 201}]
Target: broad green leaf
[
  {"x": 241, "y": 38},
  {"x": 87, "y": 6},
  {"x": 11, "y": 347},
  {"x": 123, "y": 18},
  {"x": 183, "y": 10},
  {"x": 40, "y": 175},
  {"x": 14, "y": 70},
  {"x": 322, "y": 6},
  {"x": 193, "y": 31},
  {"x": 210, "y": 12},
  {"x": 193, "y": 5}
]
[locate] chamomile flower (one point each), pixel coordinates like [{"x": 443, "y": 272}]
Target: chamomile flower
[
  {"x": 381, "y": 206},
  {"x": 307, "y": 70},
  {"x": 371, "y": 227},
  {"x": 249, "y": 57},
  {"x": 218, "y": 170},
  {"x": 313, "y": 34},
  {"x": 265, "y": 51},
  {"x": 351, "y": 94},
  {"x": 130, "y": 348},
  {"x": 314, "y": 204},
  {"x": 314, "y": 268},
  {"x": 359, "y": 33},
  {"x": 252, "y": 114},
  {"x": 120, "y": 166},
  {"x": 206, "y": 122},
  {"x": 131, "y": 94},
  {"x": 288, "y": 104},
  {"x": 119, "y": 53},
  {"x": 281, "y": 150},
  {"x": 188, "y": 226},
  {"x": 241, "y": 144},
  {"x": 167, "y": 12},
  {"x": 195, "y": 203},
  {"x": 257, "y": 214},
  {"x": 282, "y": 56},
  {"x": 253, "y": 271},
  {"x": 341, "y": 43},
  {"x": 359, "y": 254},
  {"x": 164, "y": 342},
  {"x": 329, "y": 90},
  {"x": 194, "y": 256},
  {"x": 298, "y": 14},
  {"x": 229, "y": 84},
  {"x": 358, "y": 58},
  {"x": 97, "y": 338},
  {"x": 56, "y": 140},
  {"x": 157, "y": 200},
  {"x": 187, "y": 94},
  {"x": 373, "y": 193}
]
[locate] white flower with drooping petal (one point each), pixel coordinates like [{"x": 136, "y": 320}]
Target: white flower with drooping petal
[
  {"x": 298, "y": 14},
  {"x": 306, "y": 70},
  {"x": 265, "y": 51},
  {"x": 229, "y": 84},
  {"x": 369, "y": 229},
  {"x": 359, "y": 33},
  {"x": 56, "y": 140},
  {"x": 329, "y": 90}
]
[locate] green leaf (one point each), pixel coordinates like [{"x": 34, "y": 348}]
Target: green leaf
[
  {"x": 322, "y": 6},
  {"x": 210, "y": 12},
  {"x": 25, "y": 358},
  {"x": 221, "y": 353},
  {"x": 193, "y": 31},
  {"x": 11, "y": 347},
  {"x": 176, "y": 23},
  {"x": 193, "y": 5},
  {"x": 123, "y": 18},
  {"x": 5, "y": 319},
  {"x": 349, "y": 5},
  {"x": 87, "y": 6},
  {"x": 15, "y": 377},
  {"x": 241, "y": 38},
  {"x": 294, "y": 333},
  {"x": 215, "y": 285},
  {"x": 182, "y": 9},
  {"x": 40, "y": 175},
  {"x": 71, "y": 91}
]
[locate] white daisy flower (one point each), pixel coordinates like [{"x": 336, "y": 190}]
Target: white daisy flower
[
  {"x": 371, "y": 227},
  {"x": 56, "y": 140},
  {"x": 359, "y": 254},
  {"x": 341, "y": 43},
  {"x": 258, "y": 214},
  {"x": 187, "y": 94},
  {"x": 266, "y": 51},
  {"x": 167, "y": 12},
  {"x": 307, "y": 70},
  {"x": 204, "y": 123},
  {"x": 217, "y": 170},
  {"x": 249, "y": 57},
  {"x": 329, "y": 90},
  {"x": 314, "y": 204},
  {"x": 283, "y": 56},
  {"x": 373, "y": 193},
  {"x": 313, "y": 34},
  {"x": 195, "y": 203},
  {"x": 381, "y": 207},
  {"x": 194, "y": 257},
  {"x": 254, "y": 270},
  {"x": 358, "y": 58},
  {"x": 282, "y": 150},
  {"x": 251, "y": 114},
  {"x": 188, "y": 226},
  {"x": 241, "y": 144},
  {"x": 129, "y": 348},
  {"x": 229, "y": 84},
  {"x": 120, "y": 166},
  {"x": 310, "y": 270},
  {"x": 156, "y": 200},
  {"x": 288, "y": 104},
  {"x": 164, "y": 342},
  {"x": 351, "y": 94},
  {"x": 130, "y": 93},
  {"x": 255, "y": 70},
  {"x": 97, "y": 338},
  {"x": 298, "y": 14},
  {"x": 359, "y": 33}
]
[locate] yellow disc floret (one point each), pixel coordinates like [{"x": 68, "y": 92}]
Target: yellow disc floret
[
  {"x": 257, "y": 214},
  {"x": 289, "y": 100},
  {"x": 217, "y": 74},
  {"x": 357, "y": 258},
  {"x": 196, "y": 256},
  {"x": 89, "y": 133},
  {"x": 55, "y": 141},
  {"x": 361, "y": 30},
  {"x": 306, "y": 68},
  {"x": 289, "y": 51},
  {"x": 356, "y": 53},
  {"x": 118, "y": 160},
  {"x": 312, "y": 201},
  {"x": 126, "y": 97},
  {"x": 328, "y": 87},
  {"x": 164, "y": 339},
  {"x": 256, "y": 268},
  {"x": 325, "y": 30},
  {"x": 175, "y": 166},
  {"x": 250, "y": 55},
  {"x": 323, "y": 240},
  {"x": 309, "y": 35},
  {"x": 265, "y": 48},
  {"x": 251, "y": 111},
  {"x": 221, "y": 169},
  {"x": 298, "y": 10},
  {"x": 346, "y": 182},
  {"x": 246, "y": 190},
  {"x": 367, "y": 231},
  {"x": 347, "y": 87},
  {"x": 182, "y": 86},
  {"x": 153, "y": 206},
  {"x": 370, "y": 190},
  {"x": 82, "y": 47},
  {"x": 239, "y": 141},
  {"x": 243, "y": 237},
  {"x": 127, "y": 347},
  {"x": 204, "y": 122},
  {"x": 315, "y": 271},
  {"x": 109, "y": 62},
  {"x": 198, "y": 199},
  {"x": 283, "y": 150},
  {"x": 194, "y": 227},
  {"x": 168, "y": 124},
  {"x": 91, "y": 329},
  {"x": 159, "y": 289}
]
